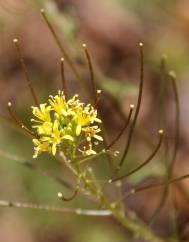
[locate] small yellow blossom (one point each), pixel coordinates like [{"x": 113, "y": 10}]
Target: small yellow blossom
[
  {"x": 58, "y": 103},
  {"x": 42, "y": 113},
  {"x": 65, "y": 125},
  {"x": 40, "y": 147},
  {"x": 91, "y": 132}
]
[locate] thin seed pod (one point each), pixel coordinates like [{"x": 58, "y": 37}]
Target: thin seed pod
[
  {"x": 162, "y": 102},
  {"x": 29, "y": 83},
  {"x": 137, "y": 107},
  {"x": 94, "y": 87},
  {"x": 64, "y": 52},
  {"x": 63, "y": 79},
  {"x": 98, "y": 95},
  {"x": 48, "y": 208},
  {"x": 177, "y": 121},
  {"x": 160, "y": 184},
  {"x": 155, "y": 185},
  {"x": 162, "y": 90},
  {"x": 124, "y": 127},
  {"x": 68, "y": 199},
  {"x": 117, "y": 109},
  {"x": 176, "y": 145},
  {"x": 162, "y": 95},
  {"x": 145, "y": 162},
  {"x": 18, "y": 121},
  {"x": 175, "y": 149}
]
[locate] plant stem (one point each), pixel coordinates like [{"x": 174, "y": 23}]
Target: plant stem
[
  {"x": 48, "y": 208},
  {"x": 128, "y": 220}
]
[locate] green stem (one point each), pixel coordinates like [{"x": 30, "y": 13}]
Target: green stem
[{"x": 128, "y": 220}]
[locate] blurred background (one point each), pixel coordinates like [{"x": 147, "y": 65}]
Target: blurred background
[{"x": 112, "y": 30}]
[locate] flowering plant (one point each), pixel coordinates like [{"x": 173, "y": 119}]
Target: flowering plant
[
  {"x": 72, "y": 128},
  {"x": 65, "y": 125}
]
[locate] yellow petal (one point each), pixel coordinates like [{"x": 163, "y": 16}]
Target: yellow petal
[
  {"x": 64, "y": 112},
  {"x": 55, "y": 126},
  {"x": 54, "y": 149},
  {"x": 69, "y": 137},
  {"x": 98, "y": 137},
  {"x": 98, "y": 120},
  {"x": 90, "y": 152},
  {"x": 36, "y": 142},
  {"x": 78, "y": 130}
]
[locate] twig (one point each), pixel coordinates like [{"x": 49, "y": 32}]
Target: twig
[{"x": 48, "y": 208}]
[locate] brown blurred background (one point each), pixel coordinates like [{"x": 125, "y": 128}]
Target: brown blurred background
[{"x": 112, "y": 30}]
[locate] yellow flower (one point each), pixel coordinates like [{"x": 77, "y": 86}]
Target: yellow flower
[
  {"x": 42, "y": 113},
  {"x": 44, "y": 128},
  {"x": 91, "y": 132},
  {"x": 58, "y": 103},
  {"x": 85, "y": 116},
  {"x": 56, "y": 137},
  {"x": 40, "y": 147},
  {"x": 62, "y": 125}
]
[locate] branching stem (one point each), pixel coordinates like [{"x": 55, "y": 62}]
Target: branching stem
[{"x": 48, "y": 208}]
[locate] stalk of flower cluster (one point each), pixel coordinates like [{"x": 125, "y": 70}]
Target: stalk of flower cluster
[{"x": 129, "y": 220}]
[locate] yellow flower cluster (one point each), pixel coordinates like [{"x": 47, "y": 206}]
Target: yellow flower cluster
[{"x": 66, "y": 125}]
